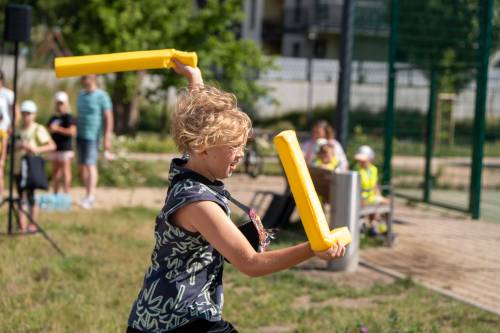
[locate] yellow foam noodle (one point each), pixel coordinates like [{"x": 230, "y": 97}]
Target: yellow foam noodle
[
  {"x": 307, "y": 201},
  {"x": 121, "y": 62}
]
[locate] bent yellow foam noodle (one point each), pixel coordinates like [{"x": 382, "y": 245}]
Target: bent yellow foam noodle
[
  {"x": 307, "y": 201},
  {"x": 121, "y": 62}
]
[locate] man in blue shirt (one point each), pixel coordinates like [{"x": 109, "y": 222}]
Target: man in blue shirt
[{"x": 94, "y": 116}]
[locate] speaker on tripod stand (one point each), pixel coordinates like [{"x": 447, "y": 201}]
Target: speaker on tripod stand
[{"x": 17, "y": 29}]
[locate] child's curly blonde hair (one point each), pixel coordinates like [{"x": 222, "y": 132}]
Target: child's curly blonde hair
[{"x": 207, "y": 117}]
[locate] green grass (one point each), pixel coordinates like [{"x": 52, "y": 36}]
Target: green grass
[
  {"x": 146, "y": 143},
  {"x": 121, "y": 173},
  {"x": 92, "y": 289}
]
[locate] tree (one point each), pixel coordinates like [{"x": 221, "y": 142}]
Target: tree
[
  {"x": 443, "y": 35},
  {"x": 107, "y": 26}
]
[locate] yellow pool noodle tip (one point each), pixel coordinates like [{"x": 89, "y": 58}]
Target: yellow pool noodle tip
[
  {"x": 307, "y": 201},
  {"x": 120, "y": 62}
]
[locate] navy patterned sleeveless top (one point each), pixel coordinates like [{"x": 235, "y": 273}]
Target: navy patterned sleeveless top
[{"x": 184, "y": 280}]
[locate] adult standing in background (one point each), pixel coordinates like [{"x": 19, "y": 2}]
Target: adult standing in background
[
  {"x": 321, "y": 131},
  {"x": 62, "y": 128},
  {"x": 94, "y": 117},
  {"x": 4, "y": 138},
  {"x": 6, "y": 107},
  {"x": 6, "y": 104}
]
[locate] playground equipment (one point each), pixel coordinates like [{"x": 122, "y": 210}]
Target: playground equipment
[
  {"x": 122, "y": 61},
  {"x": 308, "y": 204}
]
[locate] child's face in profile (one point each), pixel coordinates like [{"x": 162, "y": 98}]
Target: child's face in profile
[{"x": 222, "y": 160}]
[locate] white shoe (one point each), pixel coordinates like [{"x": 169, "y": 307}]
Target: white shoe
[{"x": 87, "y": 202}]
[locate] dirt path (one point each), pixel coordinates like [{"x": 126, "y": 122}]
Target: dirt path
[{"x": 241, "y": 186}]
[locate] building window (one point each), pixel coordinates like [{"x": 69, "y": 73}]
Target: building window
[
  {"x": 320, "y": 49},
  {"x": 297, "y": 15},
  {"x": 253, "y": 14},
  {"x": 296, "y": 49}
]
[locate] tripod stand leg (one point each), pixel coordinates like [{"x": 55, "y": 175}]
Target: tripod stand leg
[{"x": 40, "y": 229}]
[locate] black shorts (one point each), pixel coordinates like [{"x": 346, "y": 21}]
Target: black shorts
[
  {"x": 199, "y": 326},
  {"x": 26, "y": 195}
]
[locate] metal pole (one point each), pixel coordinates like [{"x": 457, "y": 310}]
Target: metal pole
[
  {"x": 480, "y": 107},
  {"x": 391, "y": 89},
  {"x": 429, "y": 143},
  {"x": 12, "y": 142},
  {"x": 345, "y": 190},
  {"x": 310, "y": 38},
  {"x": 344, "y": 82}
]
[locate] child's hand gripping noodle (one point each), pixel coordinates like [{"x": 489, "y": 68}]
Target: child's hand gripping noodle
[
  {"x": 306, "y": 198},
  {"x": 120, "y": 62}
]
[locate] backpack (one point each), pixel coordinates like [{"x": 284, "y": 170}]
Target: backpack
[{"x": 33, "y": 174}]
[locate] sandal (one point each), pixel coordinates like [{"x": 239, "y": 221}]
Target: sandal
[{"x": 32, "y": 228}]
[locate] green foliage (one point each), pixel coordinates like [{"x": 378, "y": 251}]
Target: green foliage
[
  {"x": 145, "y": 143},
  {"x": 443, "y": 35},
  {"x": 409, "y": 122},
  {"x": 103, "y": 26},
  {"x": 225, "y": 59},
  {"x": 363, "y": 120},
  {"x": 127, "y": 173}
]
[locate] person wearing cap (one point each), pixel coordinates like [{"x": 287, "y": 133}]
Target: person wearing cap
[
  {"x": 31, "y": 138},
  {"x": 370, "y": 191},
  {"x": 62, "y": 128},
  {"x": 94, "y": 117}
]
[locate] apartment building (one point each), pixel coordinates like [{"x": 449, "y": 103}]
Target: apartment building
[{"x": 294, "y": 28}]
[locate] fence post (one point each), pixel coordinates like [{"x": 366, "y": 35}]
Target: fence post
[
  {"x": 391, "y": 90},
  {"x": 429, "y": 144},
  {"x": 345, "y": 65},
  {"x": 344, "y": 212},
  {"x": 486, "y": 12}
]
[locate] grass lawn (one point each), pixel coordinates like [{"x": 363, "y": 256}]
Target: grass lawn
[{"x": 92, "y": 289}]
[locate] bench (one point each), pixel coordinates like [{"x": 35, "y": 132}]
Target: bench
[
  {"x": 324, "y": 183},
  {"x": 280, "y": 207}
]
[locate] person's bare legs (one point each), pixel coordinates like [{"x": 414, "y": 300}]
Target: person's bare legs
[
  {"x": 91, "y": 181},
  {"x": 57, "y": 173},
  {"x": 83, "y": 170},
  {"x": 34, "y": 212},
  {"x": 21, "y": 214},
  {"x": 66, "y": 171},
  {"x": 89, "y": 173},
  {"x": 1, "y": 184}
]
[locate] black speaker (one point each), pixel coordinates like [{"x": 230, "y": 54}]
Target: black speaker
[{"x": 17, "y": 23}]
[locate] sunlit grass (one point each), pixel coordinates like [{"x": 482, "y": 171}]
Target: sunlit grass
[{"x": 107, "y": 252}]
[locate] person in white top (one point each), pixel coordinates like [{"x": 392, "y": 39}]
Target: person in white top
[
  {"x": 322, "y": 130},
  {"x": 6, "y": 103}
]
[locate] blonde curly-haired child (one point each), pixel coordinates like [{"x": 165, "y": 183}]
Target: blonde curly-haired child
[{"x": 182, "y": 289}]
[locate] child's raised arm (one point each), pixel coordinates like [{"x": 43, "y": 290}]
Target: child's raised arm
[{"x": 192, "y": 74}]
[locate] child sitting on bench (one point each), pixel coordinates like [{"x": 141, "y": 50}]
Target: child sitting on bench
[{"x": 370, "y": 191}]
